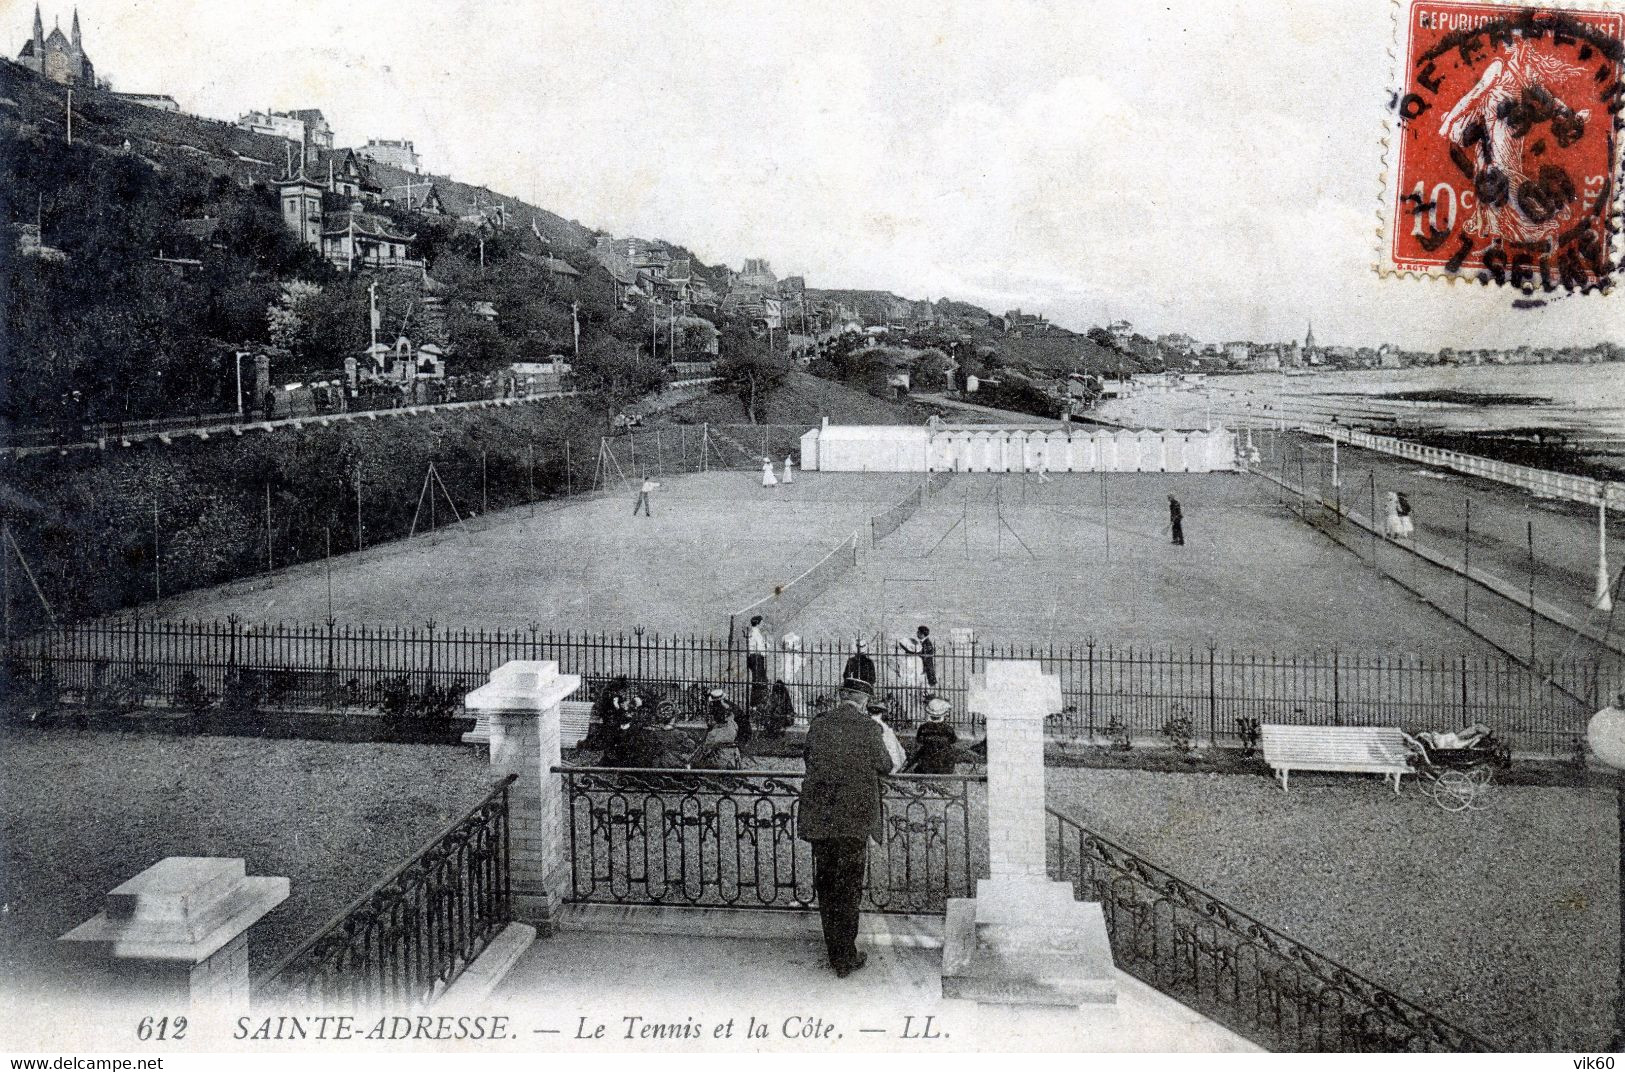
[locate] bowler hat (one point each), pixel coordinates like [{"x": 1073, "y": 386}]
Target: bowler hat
[
  {"x": 857, "y": 684},
  {"x": 937, "y": 707}
]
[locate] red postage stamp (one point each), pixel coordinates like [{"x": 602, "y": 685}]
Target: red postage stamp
[{"x": 1504, "y": 162}]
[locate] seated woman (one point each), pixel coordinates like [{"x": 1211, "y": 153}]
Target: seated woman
[
  {"x": 936, "y": 744},
  {"x": 608, "y": 712},
  {"x": 780, "y": 713},
  {"x": 720, "y": 749}
]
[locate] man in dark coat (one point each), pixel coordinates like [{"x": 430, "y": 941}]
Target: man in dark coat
[
  {"x": 1176, "y": 521},
  {"x": 860, "y": 666},
  {"x": 928, "y": 656},
  {"x": 840, "y": 811}
]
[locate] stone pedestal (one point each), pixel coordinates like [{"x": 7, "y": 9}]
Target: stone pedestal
[
  {"x": 176, "y": 935},
  {"x": 521, "y": 706},
  {"x": 1023, "y": 939}
]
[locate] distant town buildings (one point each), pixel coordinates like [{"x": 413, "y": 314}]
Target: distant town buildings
[
  {"x": 59, "y": 57},
  {"x": 401, "y": 154}
]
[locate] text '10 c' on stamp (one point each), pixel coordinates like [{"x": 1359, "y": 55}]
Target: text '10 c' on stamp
[{"x": 1503, "y": 159}]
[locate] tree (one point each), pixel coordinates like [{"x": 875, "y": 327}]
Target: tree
[
  {"x": 748, "y": 370},
  {"x": 929, "y": 372},
  {"x": 697, "y": 338},
  {"x": 1101, "y": 337},
  {"x": 613, "y": 369}
]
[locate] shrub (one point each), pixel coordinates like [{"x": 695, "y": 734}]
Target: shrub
[
  {"x": 1177, "y": 729},
  {"x": 1118, "y": 732},
  {"x": 1248, "y": 730},
  {"x": 190, "y": 695}
]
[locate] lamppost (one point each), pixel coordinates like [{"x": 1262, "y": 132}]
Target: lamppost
[
  {"x": 240, "y": 355},
  {"x": 1606, "y": 736}
]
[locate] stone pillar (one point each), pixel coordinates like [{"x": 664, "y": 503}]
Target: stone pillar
[
  {"x": 176, "y": 935},
  {"x": 1023, "y": 939},
  {"x": 521, "y": 704}
]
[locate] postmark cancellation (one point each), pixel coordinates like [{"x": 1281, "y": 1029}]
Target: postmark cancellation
[{"x": 1503, "y": 156}]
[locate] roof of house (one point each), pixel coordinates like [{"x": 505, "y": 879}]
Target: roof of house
[
  {"x": 850, "y": 432},
  {"x": 308, "y": 115},
  {"x": 202, "y": 228},
  {"x": 301, "y": 179},
  {"x": 553, "y": 265},
  {"x": 617, "y": 265},
  {"x": 365, "y": 223}
]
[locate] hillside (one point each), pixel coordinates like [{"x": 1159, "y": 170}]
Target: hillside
[
  {"x": 804, "y": 399},
  {"x": 1059, "y": 354},
  {"x": 89, "y": 521},
  {"x": 167, "y": 138}
]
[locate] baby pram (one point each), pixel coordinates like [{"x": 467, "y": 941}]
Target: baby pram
[{"x": 1456, "y": 769}]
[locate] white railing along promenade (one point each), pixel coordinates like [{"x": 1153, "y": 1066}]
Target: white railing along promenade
[
  {"x": 1541, "y": 482},
  {"x": 232, "y": 424}
]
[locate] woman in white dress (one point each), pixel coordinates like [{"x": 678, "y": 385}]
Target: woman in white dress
[
  {"x": 910, "y": 668},
  {"x": 768, "y": 479},
  {"x": 1393, "y": 525},
  {"x": 791, "y": 659}
]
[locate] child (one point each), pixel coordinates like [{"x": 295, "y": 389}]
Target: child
[{"x": 935, "y": 743}]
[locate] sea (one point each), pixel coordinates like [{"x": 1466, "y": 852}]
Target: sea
[{"x": 1494, "y": 410}]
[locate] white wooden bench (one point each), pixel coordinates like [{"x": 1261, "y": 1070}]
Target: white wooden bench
[{"x": 1360, "y": 749}]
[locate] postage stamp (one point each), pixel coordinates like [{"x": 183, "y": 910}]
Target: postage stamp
[{"x": 1504, "y": 152}]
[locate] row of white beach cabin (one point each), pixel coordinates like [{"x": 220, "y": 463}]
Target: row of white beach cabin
[{"x": 1002, "y": 449}]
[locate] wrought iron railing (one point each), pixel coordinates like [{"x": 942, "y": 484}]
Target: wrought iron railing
[
  {"x": 1109, "y": 691},
  {"x": 409, "y": 937},
  {"x": 1228, "y": 966},
  {"x": 728, "y": 839}
]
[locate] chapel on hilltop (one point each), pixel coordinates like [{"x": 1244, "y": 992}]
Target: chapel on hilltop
[{"x": 59, "y": 57}]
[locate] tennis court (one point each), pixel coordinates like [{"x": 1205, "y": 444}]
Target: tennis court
[
  {"x": 1007, "y": 556},
  {"x": 716, "y": 541},
  {"x": 1017, "y": 559}
]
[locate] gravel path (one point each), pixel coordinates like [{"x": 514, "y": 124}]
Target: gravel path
[{"x": 1504, "y": 920}]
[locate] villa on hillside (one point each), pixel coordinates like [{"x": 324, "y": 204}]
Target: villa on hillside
[
  {"x": 421, "y": 197},
  {"x": 354, "y": 238},
  {"x": 395, "y": 152}
]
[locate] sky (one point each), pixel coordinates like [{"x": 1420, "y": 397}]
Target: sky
[{"x": 1212, "y": 169}]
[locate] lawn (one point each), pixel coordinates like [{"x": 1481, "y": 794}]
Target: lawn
[
  {"x": 1504, "y": 921},
  {"x": 83, "y": 811}
]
